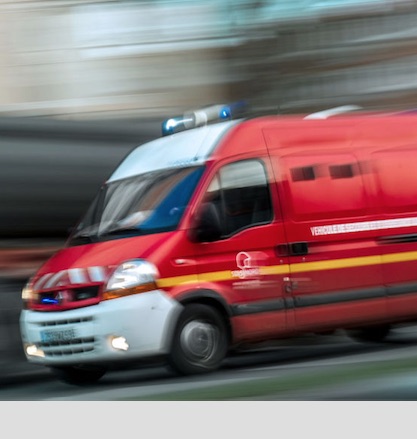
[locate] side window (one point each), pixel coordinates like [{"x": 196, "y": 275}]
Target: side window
[
  {"x": 240, "y": 193},
  {"x": 324, "y": 185}
]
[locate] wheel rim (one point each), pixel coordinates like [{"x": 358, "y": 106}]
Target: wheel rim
[{"x": 199, "y": 340}]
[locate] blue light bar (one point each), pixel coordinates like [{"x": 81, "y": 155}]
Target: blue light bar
[{"x": 196, "y": 118}]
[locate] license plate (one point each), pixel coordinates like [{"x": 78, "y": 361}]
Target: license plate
[{"x": 58, "y": 336}]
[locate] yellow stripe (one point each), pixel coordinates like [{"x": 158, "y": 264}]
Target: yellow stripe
[
  {"x": 217, "y": 275},
  {"x": 275, "y": 269},
  {"x": 295, "y": 268},
  {"x": 399, "y": 257},
  {"x": 335, "y": 264},
  {"x": 177, "y": 280}
]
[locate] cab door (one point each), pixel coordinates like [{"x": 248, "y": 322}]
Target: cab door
[{"x": 241, "y": 263}]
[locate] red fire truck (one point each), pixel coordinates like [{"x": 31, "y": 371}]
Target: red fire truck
[{"x": 231, "y": 232}]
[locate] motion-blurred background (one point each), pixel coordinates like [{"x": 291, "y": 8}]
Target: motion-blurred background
[{"x": 82, "y": 82}]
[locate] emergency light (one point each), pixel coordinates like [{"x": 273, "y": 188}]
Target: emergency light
[{"x": 203, "y": 116}]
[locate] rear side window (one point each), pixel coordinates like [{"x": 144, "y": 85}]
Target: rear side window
[
  {"x": 241, "y": 195},
  {"x": 324, "y": 186}
]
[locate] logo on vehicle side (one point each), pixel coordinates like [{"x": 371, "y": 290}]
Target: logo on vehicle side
[{"x": 246, "y": 266}]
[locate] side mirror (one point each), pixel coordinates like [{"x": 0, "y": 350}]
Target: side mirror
[{"x": 206, "y": 227}]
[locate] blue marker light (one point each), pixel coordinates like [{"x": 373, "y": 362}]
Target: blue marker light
[{"x": 49, "y": 301}]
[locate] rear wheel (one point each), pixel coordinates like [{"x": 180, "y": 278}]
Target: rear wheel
[
  {"x": 78, "y": 375},
  {"x": 200, "y": 340},
  {"x": 371, "y": 334}
]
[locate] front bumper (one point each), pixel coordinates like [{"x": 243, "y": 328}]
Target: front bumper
[{"x": 84, "y": 335}]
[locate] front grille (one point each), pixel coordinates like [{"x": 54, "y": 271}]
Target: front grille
[
  {"x": 68, "y": 295},
  {"x": 84, "y": 293},
  {"x": 68, "y": 347},
  {"x": 64, "y": 337},
  {"x": 61, "y": 322}
]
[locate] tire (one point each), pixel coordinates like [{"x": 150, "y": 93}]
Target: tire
[
  {"x": 371, "y": 334},
  {"x": 200, "y": 341},
  {"x": 78, "y": 375}
]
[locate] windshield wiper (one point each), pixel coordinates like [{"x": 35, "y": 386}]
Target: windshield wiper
[
  {"x": 121, "y": 231},
  {"x": 83, "y": 238}
]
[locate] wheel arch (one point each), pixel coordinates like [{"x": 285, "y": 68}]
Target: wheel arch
[{"x": 213, "y": 299}]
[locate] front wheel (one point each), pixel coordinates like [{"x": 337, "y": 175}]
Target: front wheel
[
  {"x": 200, "y": 340},
  {"x": 78, "y": 375}
]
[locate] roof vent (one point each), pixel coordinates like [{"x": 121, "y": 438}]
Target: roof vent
[{"x": 333, "y": 112}]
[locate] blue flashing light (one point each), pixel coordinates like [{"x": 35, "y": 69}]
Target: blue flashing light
[
  {"x": 49, "y": 301},
  {"x": 225, "y": 113},
  {"x": 234, "y": 110},
  {"x": 175, "y": 124}
]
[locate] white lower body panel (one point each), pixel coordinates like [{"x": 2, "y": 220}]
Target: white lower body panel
[{"x": 84, "y": 335}]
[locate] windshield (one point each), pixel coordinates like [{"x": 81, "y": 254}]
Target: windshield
[{"x": 147, "y": 203}]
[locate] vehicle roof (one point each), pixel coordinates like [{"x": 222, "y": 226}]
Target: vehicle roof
[
  {"x": 287, "y": 133},
  {"x": 295, "y": 133},
  {"x": 185, "y": 148}
]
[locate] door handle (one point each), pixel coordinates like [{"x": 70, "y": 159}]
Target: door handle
[
  {"x": 292, "y": 249},
  {"x": 298, "y": 248}
]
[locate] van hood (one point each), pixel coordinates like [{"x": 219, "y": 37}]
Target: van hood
[{"x": 93, "y": 263}]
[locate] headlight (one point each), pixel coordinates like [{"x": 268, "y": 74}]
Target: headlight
[
  {"x": 27, "y": 294},
  {"x": 131, "y": 277}
]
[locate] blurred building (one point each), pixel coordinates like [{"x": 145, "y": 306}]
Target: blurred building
[
  {"x": 109, "y": 58},
  {"x": 119, "y": 57},
  {"x": 126, "y": 64}
]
